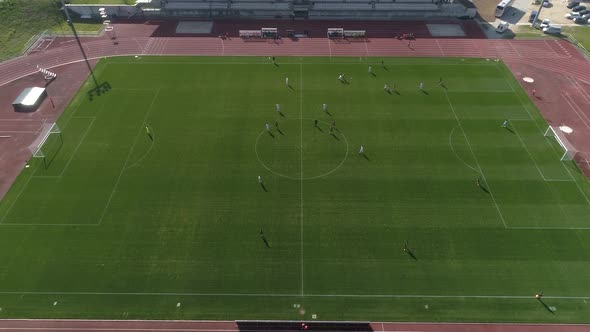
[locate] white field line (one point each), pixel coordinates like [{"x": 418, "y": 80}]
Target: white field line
[
  {"x": 574, "y": 106},
  {"x": 394, "y": 296},
  {"x": 141, "y": 128},
  {"x": 579, "y": 88},
  {"x": 534, "y": 162},
  {"x": 75, "y": 150},
  {"x": 173, "y": 55},
  {"x": 366, "y": 48},
  {"x": 475, "y": 159},
  {"x": 440, "y": 49},
  {"x": 330, "y": 47},
  {"x": 222, "y": 47},
  {"x": 457, "y": 155},
  {"x": 301, "y": 166},
  {"x": 549, "y": 228},
  {"x": 17, "y": 196}
]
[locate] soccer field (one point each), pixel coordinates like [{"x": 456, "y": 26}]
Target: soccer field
[{"x": 117, "y": 223}]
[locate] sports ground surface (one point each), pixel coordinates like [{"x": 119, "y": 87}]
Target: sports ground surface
[{"x": 121, "y": 225}]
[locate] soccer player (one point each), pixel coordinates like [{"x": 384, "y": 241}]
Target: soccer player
[
  {"x": 382, "y": 63},
  {"x": 505, "y": 124},
  {"x": 393, "y": 87},
  {"x": 478, "y": 182},
  {"x": 260, "y": 181},
  {"x": 267, "y": 127},
  {"x": 149, "y": 132},
  {"x": 325, "y": 107},
  {"x": 315, "y": 123},
  {"x": 440, "y": 81},
  {"x": 278, "y": 108},
  {"x": 370, "y": 70},
  {"x": 534, "y": 92},
  {"x": 421, "y": 86},
  {"x": 287, "y": 81},
  {"x": 539, "y": 295},
  {"x": 406, "y": 246},
  {"x": 386, "y": 88},
  {"x": 341, "y": 78},
  {"x": 277, "y": 124},
  {"x": 362, "y": 150}
]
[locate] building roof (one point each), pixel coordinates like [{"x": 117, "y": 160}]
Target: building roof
[{"x": 29, "y": 96}]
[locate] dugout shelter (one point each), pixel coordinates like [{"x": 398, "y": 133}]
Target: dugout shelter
[{"x": 29, "y": 100}]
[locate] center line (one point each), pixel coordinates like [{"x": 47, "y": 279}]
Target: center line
[{"x": 301, "y": 166}]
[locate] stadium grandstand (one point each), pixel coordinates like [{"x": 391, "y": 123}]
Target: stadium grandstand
[{"x": 319, "y": 9}]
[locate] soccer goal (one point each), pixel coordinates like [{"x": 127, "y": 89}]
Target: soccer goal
[
  {"x": 569, "y": 151},
  {"x": 48, "y": 143}
]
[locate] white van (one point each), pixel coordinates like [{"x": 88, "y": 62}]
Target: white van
[
  {"x": 502, "y": 27},
  {"x": 553, "y": 29}
]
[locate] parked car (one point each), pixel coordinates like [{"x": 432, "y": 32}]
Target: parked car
[
  {"x": 578, "y": 9},
  {"x": 584, "y": 12},
  {"x": 546, "y": 22},
  {"x": 552, "y": 29},
  {"x": 546, "y": 4},
  {"x": 579, "y": 20},
  {"x": 573, "y": 4},
  {"x": 586, "y": 17},
  {"x": 533, "y": 16},
  {"x": 571, "y": 16}
]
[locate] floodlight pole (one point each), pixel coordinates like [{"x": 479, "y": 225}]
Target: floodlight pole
[{"x": 71, "y": 24}]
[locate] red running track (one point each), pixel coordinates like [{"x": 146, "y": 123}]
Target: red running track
[{"x": 229, "y": 326}]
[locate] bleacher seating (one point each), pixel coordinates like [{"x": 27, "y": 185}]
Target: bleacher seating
[{"x": 337, "y": 9}]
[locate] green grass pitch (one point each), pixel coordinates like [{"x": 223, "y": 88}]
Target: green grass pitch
[{"x": 123, "y": 226}]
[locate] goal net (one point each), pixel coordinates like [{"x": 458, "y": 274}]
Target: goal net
[
  {"x": 569, "y": 151},
  {"x": 48, "y": 143}
]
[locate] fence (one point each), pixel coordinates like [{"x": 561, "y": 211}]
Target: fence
[{"x": 581, "y": 47}]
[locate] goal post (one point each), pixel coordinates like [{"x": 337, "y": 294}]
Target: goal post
[
  {"x": 41, "y": 147},
  {"x": 569, "y": 151}
]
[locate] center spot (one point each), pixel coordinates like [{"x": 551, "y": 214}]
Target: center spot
[{"x": 297, "y": 149}]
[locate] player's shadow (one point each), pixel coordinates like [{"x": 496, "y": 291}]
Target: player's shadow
[
  {"x": 411, "y": 254},
  {"x": 265, "y": 241},
  {"x": 425, "y": 92},
  {"x": 546, "y": 306},
  {"x": 385, "y": 67},
  {"x": 263, "y": 187},
  {"x": 365, "y": 156},
  {"x": 271, "y": 135},
  {"x": 443, "y": 86},
  {"x": 281, "y": 114},
  {"x": 328, "y": 112},
  {"x": 373, "y": 74},
  {"x": 397, "y": 92},
  {"x": 388, "y": 91},
  {"x": 280, "y": 132},
  {"x": 276, "y": 65},
  {"x": 510, "y": 130},
  {"x": 290, "y": 87},
  {"x": 335, "y": 137},
  {"x": 484, "y": 189},
  {"x": 319, "y": 128}
]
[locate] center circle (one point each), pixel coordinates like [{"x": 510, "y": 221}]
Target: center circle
[{"x": 298, "y": 149}]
